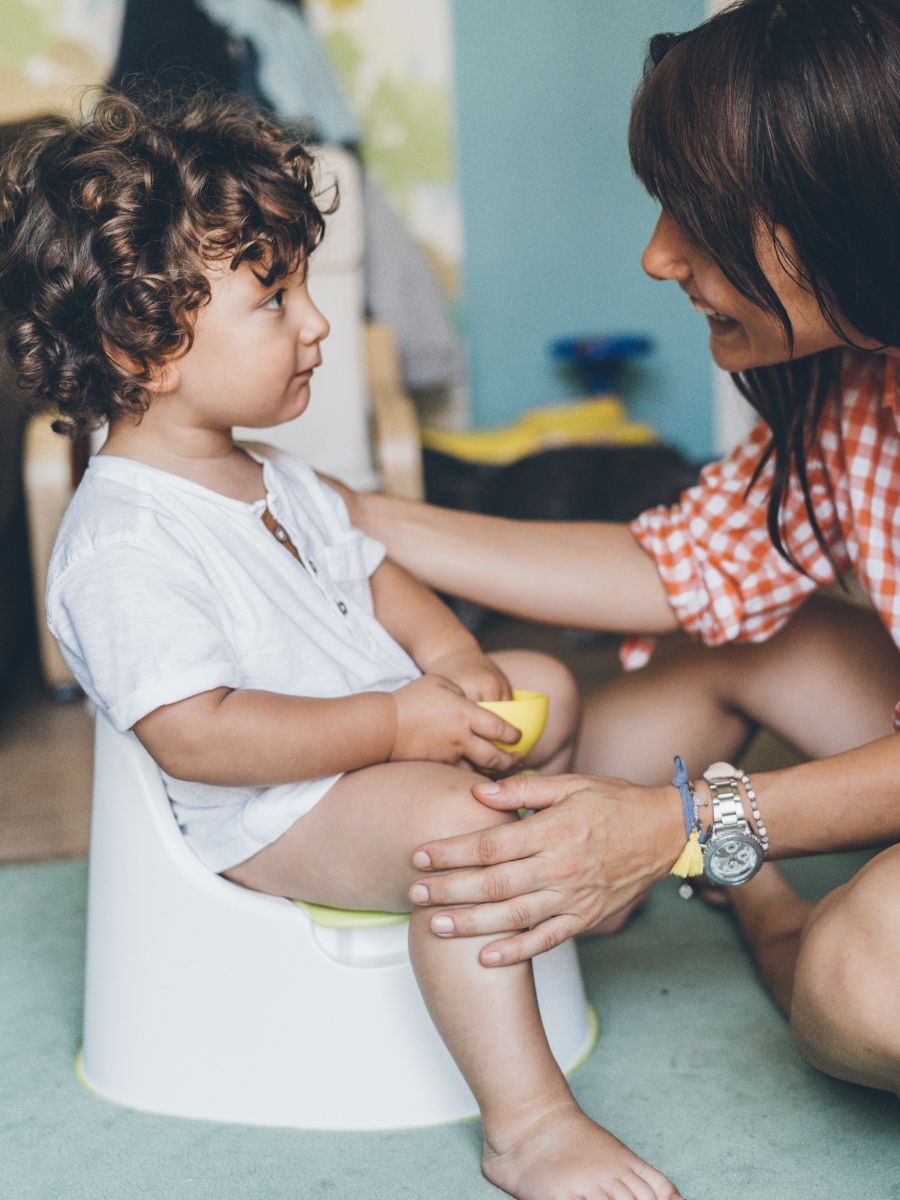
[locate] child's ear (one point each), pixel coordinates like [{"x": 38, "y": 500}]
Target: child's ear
[{"x": 164, "y": 377}]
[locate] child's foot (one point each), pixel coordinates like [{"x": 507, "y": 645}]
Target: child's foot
[{"x": 564, "y": 1155}]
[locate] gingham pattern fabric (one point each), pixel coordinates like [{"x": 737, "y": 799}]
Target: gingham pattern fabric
[{"x": 726, "y": 581}]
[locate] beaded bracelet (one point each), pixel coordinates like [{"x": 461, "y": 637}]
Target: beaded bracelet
[{"x": 761, "y": 831}]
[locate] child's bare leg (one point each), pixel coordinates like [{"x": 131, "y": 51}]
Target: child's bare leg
[
  {"x": 554, "y": 752},
  {"x": 537, "y": 672},
  {"x": 353, "y": 849}
]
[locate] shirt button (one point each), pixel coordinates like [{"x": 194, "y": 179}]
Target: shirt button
[
  {"x": 342, "y": 607},
  {"x": 280, "y": 534}
]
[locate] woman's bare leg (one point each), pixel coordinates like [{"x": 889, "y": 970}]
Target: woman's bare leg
[
  {"x": 844, "y": 1011},
  {"x": 353, "y": 850},
  {"x": 825, "y": 683}
]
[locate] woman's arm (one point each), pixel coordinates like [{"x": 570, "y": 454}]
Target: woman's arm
[
  {"x": 591, "y": 575},
  {"x": 596, "y": 843}
]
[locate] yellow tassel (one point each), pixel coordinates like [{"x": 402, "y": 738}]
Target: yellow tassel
[{"x": 690, "y": 860}]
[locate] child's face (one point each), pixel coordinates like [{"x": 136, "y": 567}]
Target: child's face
[
  {"x": 742, "y": 336},
  {"x": 254, "y": 351}
]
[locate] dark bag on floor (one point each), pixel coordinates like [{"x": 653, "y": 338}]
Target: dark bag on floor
[{"x": 570, "y": 483}]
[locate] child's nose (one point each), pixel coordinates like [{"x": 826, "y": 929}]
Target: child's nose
[
  {"x": 666, "y": 254},
  {"x": 314, "y": 327}
]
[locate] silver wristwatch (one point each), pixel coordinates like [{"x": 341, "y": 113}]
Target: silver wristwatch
[{"x": 732, "y": 853}]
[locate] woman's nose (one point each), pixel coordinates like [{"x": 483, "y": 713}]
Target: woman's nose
[{"x": 666, "y": 254}]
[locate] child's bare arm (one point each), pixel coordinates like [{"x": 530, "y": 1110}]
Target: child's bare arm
[
  {"x": 249, "y": 738},
  {"x": 432, "y": 635}
]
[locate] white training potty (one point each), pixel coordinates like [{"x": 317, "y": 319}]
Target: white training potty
[{"x": 205, "y": 999}]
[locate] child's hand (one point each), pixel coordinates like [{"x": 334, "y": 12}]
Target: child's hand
[
  {"x": 478, "y": 676},
  {"x": 436, "y": 722}
]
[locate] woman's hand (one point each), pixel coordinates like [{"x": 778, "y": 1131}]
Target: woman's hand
[
  {"x": 436, "y": 722},
  {"x": 595, "y": 846},
  {"x": 470, "y": 669}
]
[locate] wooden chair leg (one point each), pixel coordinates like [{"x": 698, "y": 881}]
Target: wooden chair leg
[
  {"x": 48, "y": 470},
  {"x": 398, "y": 449}
]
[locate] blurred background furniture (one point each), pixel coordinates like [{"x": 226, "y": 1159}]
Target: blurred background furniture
[
  {"x": 361, "y": 427},
  {"x": 16, "y": 620},
  {"x": 15, "y": 599}
]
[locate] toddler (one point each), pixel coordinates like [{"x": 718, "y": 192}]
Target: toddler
[{"x": 313, "y": 708}]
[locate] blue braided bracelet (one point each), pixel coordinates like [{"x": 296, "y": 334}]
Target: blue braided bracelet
[{"x": 683, "y": 782}]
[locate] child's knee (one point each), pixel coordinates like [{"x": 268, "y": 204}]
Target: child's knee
[
  {"x": 564, "y": 693},
  {"x": 453, "y": 808},
  {"x": 564, "y": 710}
]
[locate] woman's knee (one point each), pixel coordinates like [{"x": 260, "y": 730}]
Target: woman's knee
[{"x": 844, "y": 1013}]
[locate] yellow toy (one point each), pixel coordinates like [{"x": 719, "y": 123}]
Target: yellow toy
[{"x": 528, "y": 712}]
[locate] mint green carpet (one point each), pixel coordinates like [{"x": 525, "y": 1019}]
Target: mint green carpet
[{"x": 690, "y": 1052}]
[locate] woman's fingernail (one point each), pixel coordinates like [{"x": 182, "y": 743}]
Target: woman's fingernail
[
  {"x": 421, "y": 860},
  {"x": 442, "y": 924},
  {"x": 488, "y": 789},
  {"x": 418, "y": 893},
  {"x": 491, "y": 958}
]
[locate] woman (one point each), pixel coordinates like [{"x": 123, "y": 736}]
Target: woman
[{"x": 771, "y": 137}]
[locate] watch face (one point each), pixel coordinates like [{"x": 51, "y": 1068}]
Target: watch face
[{"x": 733, "y": 858}]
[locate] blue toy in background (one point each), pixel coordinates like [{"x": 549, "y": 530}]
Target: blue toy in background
[
  {"x": 599, "y": 418},
  {"x": 597, "y": 358}
]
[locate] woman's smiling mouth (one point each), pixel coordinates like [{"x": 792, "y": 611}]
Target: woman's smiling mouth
[{"x": 719, "y": 322}]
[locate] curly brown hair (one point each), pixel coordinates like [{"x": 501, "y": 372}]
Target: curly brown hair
[{"x": 107, "y": 223}]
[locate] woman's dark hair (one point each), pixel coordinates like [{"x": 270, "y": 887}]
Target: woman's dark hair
[
  {"x": 107, "y": 224},
  {"x": 784, "y": 115}
]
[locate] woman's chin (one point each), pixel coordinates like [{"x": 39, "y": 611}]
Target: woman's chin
[{"x": 728, "y": 346}]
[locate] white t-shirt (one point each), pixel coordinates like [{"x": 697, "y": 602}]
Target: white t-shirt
[{"x": 159, "y": 589}]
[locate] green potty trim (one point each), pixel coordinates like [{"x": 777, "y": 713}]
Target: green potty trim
[
  {"x": 350, "y": 918},
  {"x": 594, "y": 1022}
]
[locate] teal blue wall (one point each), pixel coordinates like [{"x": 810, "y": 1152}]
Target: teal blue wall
[{"x": 554, "y": 221}]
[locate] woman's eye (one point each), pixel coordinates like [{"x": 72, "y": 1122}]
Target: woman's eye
[{"x": 276, "y": 300}]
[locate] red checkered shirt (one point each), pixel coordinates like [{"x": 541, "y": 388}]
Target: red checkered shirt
[{"x": 725, "y": 580}]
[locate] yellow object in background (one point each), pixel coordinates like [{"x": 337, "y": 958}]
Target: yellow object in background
[
  {"x": 528, "y": 712},
  {"x": 599, "y": 422}
]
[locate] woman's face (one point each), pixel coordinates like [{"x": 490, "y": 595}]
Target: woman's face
[{"x": 742, "y": 336}]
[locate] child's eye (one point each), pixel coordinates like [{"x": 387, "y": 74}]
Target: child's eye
[{"x": 276, "y": 300}]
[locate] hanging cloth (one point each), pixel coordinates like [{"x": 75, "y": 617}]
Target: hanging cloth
[{"x": 294, "y": 73}]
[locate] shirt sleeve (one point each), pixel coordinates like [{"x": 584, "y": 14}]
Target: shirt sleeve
[
  {"x": 138, "y": 631},
  {"x": 725, "y": 579}
]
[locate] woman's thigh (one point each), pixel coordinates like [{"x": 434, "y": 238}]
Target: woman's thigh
[
  {"x": 353, "y": 850},
  {"x": 826, "y": 682}
]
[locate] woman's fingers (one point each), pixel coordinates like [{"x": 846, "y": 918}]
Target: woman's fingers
[
  {"x": 527, "y": 944},
  {"x": 499, "y": 844},
  {"x": 528, "y": 791},
  {"x": 521, "y": 912}
]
